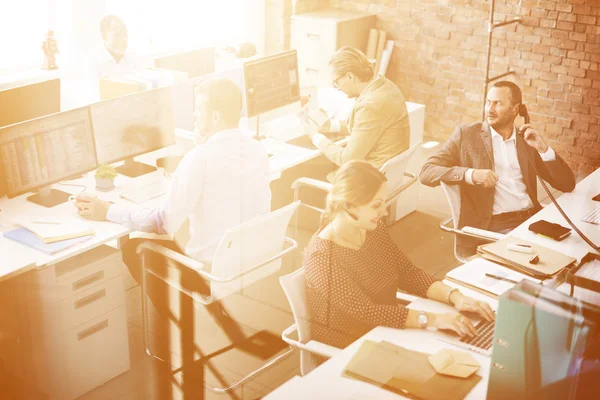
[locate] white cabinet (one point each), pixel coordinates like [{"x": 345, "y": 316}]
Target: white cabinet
[
  {"x": 317, "y": 35},
  {"x": 73, "y": 323}
]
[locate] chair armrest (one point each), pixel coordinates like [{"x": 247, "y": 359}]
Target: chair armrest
[
  {"x": 312, "y": 346},
  {"x": 325, "y": 186},
  {"x": 411, "y": 181},
  {"x": 471, "y": 232},
  {"x": 197, "y": 266}
]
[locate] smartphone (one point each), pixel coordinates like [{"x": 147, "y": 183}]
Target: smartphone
[{"x": 549, "y": 229}]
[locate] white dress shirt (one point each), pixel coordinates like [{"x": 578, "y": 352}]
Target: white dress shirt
[
  {"x": 511, "y": 192},
  {"x": 218, "y": 185},
  {"x": 104, "y": 65}
]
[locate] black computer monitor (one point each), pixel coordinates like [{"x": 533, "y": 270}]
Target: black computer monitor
[
  {"x": 195, "y": 63},
  {"x": 37, "y": 153},
  {"x": 271, "y": 83},
  {"x": 132, "y": 125},
  {"x": 30, "y": 101}
]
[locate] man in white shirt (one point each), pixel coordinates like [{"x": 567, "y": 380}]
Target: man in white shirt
[
  {"x": 489, "y": 162},
  {"x": 218, "y": 185}
]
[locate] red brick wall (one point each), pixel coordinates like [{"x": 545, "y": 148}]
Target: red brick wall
[{"x": 440, "y": 54}]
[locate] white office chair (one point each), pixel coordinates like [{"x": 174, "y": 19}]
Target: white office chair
[
  {"x": 294, "y": 287},
  {"x": 452, "y": 193},
  {"x": 246, "y": 254},
  {"x": 394, "y": 170}
]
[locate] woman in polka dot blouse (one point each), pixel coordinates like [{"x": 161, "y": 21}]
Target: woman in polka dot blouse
[{"x": 353, "y": 268}]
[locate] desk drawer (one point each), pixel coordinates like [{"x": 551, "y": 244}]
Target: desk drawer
[
  {"x": 96, "y": 352},
  {"x": 76, "y": 310},
  {"x": 68, "y": 364},
  {"x": 71, "y": 277}
]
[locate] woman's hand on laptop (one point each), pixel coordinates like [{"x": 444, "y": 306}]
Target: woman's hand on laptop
[
  {"x": 454, "y": 322},
  {"x": 469, "y": 304}
]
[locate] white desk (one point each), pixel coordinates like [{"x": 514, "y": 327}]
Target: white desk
[
  {"x": 326, "y": 380},
  {"x": 22, "y": 258},
  {"x": 575, "y": 204}
]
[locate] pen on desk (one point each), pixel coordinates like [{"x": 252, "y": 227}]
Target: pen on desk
[{"x": 500, "y": 278}]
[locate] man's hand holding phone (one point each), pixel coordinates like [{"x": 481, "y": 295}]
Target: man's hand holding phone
[{"x": 533, "y": 138}]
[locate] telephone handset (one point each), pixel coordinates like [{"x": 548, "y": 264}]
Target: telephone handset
[{"x": 525, "y": 114}]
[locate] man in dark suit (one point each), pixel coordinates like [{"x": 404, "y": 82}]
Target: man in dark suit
[{"x": 489, "y": 162}]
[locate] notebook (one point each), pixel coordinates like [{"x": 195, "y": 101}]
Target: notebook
[
  {"x": 30, "y": 239},
  {"x": 472, "y": 275},
  {"x": 550, "y": 261},
  {"x": 54, "y": 231}
]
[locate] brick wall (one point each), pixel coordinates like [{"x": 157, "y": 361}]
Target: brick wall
[{"x": 440, "y": 54}]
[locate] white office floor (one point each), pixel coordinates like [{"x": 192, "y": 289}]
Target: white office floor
[{"x": 264, "y": 307}]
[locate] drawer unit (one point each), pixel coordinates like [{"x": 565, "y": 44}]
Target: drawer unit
[
  {"x": 69, "y": 364},
  {"x": 317, "y": 35},
  {"x": 73, "y": 323}
]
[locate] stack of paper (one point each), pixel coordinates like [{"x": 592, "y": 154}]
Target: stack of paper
[
  {"x": 50, "y": 231},
  {"x": 473, "y": 276}
]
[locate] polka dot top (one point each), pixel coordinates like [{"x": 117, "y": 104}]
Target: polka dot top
[{"x": 352, "y": 291}]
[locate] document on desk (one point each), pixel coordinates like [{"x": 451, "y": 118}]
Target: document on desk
[
  {"x": 52, "y": 230},
  {"x": 405, "y": 372},
  {"x": 550, "y": 262},
  {"x": 30, "y": 239},
  {"x": 473, "y": 276}
]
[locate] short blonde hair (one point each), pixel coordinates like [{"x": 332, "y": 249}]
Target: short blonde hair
[
  {"x": 348, "y": 59},
  {"x": 223, "y": 96},
  {"x": 356, "y": 183}
]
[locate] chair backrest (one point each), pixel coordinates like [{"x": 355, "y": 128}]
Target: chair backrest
[
  {"x": 394, "y": 168},
  {"x": 248, "y": 245},
  {"x": 294, "y": 287},
  {"x": 452, "y": 193}
]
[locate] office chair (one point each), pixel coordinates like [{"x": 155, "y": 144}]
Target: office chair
[
  {"x": 294, "y": 287},
  {"x": 246, "y": 254},
  {"x": 394, "y": 170},
  {"x": 452, "y": 193}
]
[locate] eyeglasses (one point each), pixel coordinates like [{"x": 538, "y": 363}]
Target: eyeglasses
[{"x": 335, "y": 83}]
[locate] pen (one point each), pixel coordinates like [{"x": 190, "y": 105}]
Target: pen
[
  {"x": 46, "y": 222},
  {"x": 500, "y": 278}
]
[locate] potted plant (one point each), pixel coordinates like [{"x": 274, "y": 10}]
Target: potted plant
[{"x": 105, "y": 177}]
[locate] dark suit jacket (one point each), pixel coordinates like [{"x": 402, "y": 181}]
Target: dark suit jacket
[{"x": 470, "y": 146}]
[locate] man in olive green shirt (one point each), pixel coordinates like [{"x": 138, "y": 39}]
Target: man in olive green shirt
[{"x": 378, "y": 125}]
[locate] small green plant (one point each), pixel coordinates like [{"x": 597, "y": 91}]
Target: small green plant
[{"x": 106, "y": 171}]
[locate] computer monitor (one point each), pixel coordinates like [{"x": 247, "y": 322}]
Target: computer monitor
[
  {"x": 30, "y": 101},
  {"x": 132, "y": 125},
  {"x": 195, "y": 63},
  {"x": 183, "y": 96},
  {"x": 271, "y": 83},
  {"x": 37, "y": 153}
]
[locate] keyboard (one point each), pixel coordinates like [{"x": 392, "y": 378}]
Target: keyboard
[
  {"x": 484, "y": 337},
  {"x": 145, "y": 192},
  {"x": 593, "y": 217},
  {"x": 480, "y": 343}
]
